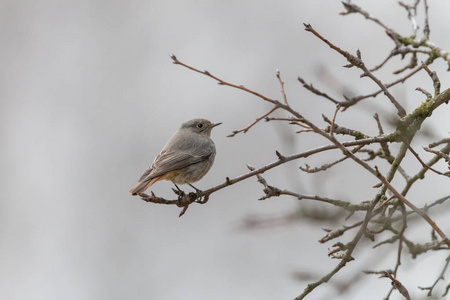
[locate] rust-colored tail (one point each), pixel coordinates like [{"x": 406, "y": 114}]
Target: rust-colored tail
[{"x": 142, "y": 186}]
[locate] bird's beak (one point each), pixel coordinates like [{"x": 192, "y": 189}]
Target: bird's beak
[{"x": 215, "y": 124}]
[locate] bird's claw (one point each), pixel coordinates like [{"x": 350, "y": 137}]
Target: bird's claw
[
  {"x": 180, "y": 193},
  {"x": 202, "y": 200}
]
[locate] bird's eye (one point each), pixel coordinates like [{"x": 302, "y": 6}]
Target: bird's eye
[{"x": 200, "y": 125}]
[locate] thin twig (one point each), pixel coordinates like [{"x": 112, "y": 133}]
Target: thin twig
[
  {"x": 282, "y": 87},
  {"x": 384, "y": 146},
  {"x": 354, "y": 100},
  {"x": 244, "y": 130},
  {"x": 440, "y": 277},
  {"x": 439, "y": 153},
  {"x": 342, "y": 130},
  {"x": 312, "y": 89},
  {"x": 434, "y": 77},
  {"x": 443, "y": 141},
  {"x": 357, "y": 62},
  {"x": 426, "y": 29},
  {"x": 334, "y": 119},
  {"x": 421, "y": 173},
  {"x": 422, "y": 213},
  {"x": 352, "y": 8},
  {"x": 331, "y": 234},
  {"x": 222, "y": 82},
  {"x": 434, "y": 52},
  {"x": 423, "y": 163},
  {"x": 407, "y": 128},
  {"x": 398, "y": 286},
  {"x": 412, "y": 13},
  {"x": 347, "y": 257},
  {"x": 280, "y": 161},
  {"x": 325, "y": 167}
]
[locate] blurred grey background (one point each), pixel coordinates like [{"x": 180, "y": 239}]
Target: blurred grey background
[{"x": 89, "y": 95}]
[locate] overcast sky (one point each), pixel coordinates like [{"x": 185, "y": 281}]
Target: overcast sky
[{"x": 89, "y": 96}]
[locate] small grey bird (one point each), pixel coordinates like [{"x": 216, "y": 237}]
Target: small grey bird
[{"x": 186, "y": 157}]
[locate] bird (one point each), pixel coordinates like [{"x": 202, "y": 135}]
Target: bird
[{"x": 187, "y": 156}]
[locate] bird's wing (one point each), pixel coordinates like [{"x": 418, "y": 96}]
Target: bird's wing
[
  {"x": 167, "y": 161},
  {"x": 145, "y": 174}
]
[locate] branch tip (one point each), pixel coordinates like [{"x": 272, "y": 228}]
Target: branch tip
[
  {"x": 280, "y": 157},
  {"x": 174, "y": 58}
]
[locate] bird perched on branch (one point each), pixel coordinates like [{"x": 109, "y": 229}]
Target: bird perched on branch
[{"x": 186, "y": 158}]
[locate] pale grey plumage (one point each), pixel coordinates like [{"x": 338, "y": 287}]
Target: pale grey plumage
[{"x": 186, "y": 157}]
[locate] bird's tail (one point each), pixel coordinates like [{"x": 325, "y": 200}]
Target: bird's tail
[{"x": 142, "y": 186}]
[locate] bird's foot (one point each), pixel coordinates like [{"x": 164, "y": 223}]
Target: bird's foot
[
  {"x": 198, "y": 193},
  {"x": 202, "y": 200},
  {"x": 178, "y": 192}
]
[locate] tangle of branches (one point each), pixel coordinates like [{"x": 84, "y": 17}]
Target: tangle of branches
[{"x": 389, "y": 210}]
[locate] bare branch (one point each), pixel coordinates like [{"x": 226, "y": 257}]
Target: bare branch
[
  {"x": 426, "y": 29},
  {"x": 244, "y": 130},
  {"x": 426, "y": 93},
  {"x": 334, "y": 119},
  {"x": 398, "y": 286},
  {"x": 422, "y": 172},
  {"x": 282, "y": 87},
  {"x": 331, "y": 234},
  {"x": 412, "y": 13},
  {"x": 438, "y": 153},
  {"x": 325, "y": 167},
  {"x": 388, "y": 210},
  {"x": 272, "y": 191},
  {"x": 222, "y": 82},
  {"x": 347, "y": 257},
  {"x": 357, "y": 62},
  {"x": 312, "y": 89},
  {"x": 354, "y": 100},
  {"x": 342, "y": 130},
  {"x": 424, "y": 164},
  {"x": 384, "y": 146},
  {"x": 434, "y": 77},
  {"x": 443, "y": 141},
  {"x": 422, "y": 213},
  {"x": 353, "y": 8},
  {"x": 193, "y": 197},
  {"x": 440, "y": 277}
]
